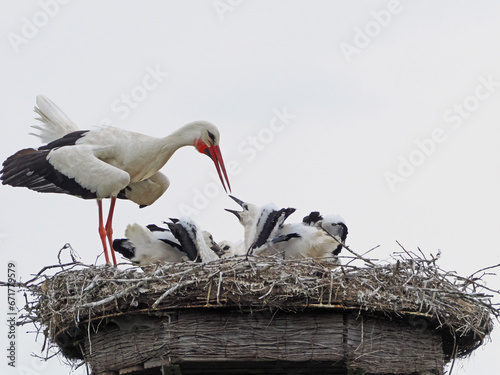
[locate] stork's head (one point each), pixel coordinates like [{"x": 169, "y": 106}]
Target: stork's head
[
  {"x": 249, "y": 214},
  {"x": 206, "y": 141},
  {"x": 248, "y": 217},
  {"x": 335, "y": 226},
  {"x": 313, "y": 218}
]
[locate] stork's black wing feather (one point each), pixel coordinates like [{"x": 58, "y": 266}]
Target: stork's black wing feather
[
  {"x": 124, "y": 247},
  {"x": 274, "y": 219},
  {"x": 186, "y": 241},
  {"x": 30, "y": 168},
  {"x": 67, "y": 140}
]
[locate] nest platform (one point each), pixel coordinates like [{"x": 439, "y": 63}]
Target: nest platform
[{"x": 262, "y": 315}]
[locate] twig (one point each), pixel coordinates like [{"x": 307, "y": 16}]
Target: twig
[
  {"x": 484, "y": 269},
  {"x": 110, "y": 298},
  {"x": 50, "y": 267},
  {"x": 359, "y": 256},
  {"x": 170, "y": 291}
]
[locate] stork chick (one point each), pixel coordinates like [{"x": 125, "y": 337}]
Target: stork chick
[
  {"x": 261, "y": 225},
  {"x": 148, "y": 245},
  {"x": 195, "y": 242},
  {"x": 334, "y": 225}
]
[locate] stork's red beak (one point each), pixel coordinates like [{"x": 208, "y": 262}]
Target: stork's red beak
[{"x": 214, "y": 152}]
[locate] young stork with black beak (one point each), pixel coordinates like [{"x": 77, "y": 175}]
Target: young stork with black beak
[
  {"x": 261, "y": 226},
  {"x": 266, "y": 233},
  {"x": 104, "y": 163}
]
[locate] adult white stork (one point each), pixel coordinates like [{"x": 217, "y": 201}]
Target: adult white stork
[{"x": 104, "y": 163}]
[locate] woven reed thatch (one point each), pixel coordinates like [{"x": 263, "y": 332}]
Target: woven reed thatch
[{"x": 402, "y": 317}]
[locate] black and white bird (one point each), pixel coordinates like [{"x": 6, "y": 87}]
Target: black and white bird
[
  {"x": 268, "y": 228},
  {"x": 298, "y": 241},
  {"x": 193, "y": 240},
  {"x": 334, "y": 225},
  {"x": 267, "y": 234},
  {"x": 104, "y": 163},
  {"x": 261, "y": 225},
  {"x": 150, "y": 244},
  {"x": 247, "y": 217}
]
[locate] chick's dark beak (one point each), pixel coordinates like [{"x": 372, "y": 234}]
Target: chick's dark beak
[
  {"x": 239, "y": 201},
  {"x": 236, "y": 213}
]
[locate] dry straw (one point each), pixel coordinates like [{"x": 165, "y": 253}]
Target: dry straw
[{"x": 80, "y": 299}]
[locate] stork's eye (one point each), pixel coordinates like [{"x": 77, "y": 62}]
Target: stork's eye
[{"x": 211, "y": 136}]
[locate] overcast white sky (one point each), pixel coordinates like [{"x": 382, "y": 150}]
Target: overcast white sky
[{"x": 385, "y": 112}]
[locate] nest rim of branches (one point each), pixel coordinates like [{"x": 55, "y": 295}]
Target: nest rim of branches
[{"x": 410, "y": 287}]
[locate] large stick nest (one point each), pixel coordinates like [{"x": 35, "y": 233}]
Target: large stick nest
[{"x": 407, "y": 287}]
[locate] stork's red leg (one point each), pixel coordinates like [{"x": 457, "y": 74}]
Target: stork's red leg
[
  {"x": 102, "y": 231},
  {"x": 109, "y": 228}
]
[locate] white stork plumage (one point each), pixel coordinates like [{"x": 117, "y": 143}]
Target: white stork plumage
[
  {"x": 149, "y": 245},
  {"x": 194, "y": 240},
  {"x": 261, "y": 225},
  {"x": 229, "y": 249},
  {"x": 154, "y": 244},
  {"x": 298, "y": 241},
  {"x": 334, "y": 225},
  {"x": 267, "y": 234},
  {"x": 315, "y": 237},
  {"x": 104, "y": 163}
]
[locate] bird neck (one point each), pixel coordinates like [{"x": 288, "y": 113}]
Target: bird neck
[{"x": 176, "y": 140}]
